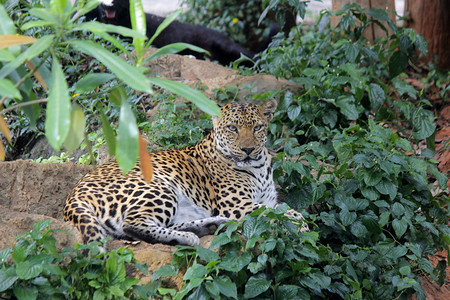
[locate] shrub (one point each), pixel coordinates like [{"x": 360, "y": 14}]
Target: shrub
[{"x": 35, "y": 268}]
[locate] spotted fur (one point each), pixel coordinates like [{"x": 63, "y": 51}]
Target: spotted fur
[{"x": 225, "y": 176}]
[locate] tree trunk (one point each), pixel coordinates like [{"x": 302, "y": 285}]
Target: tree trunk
[
  {"x": 431, "y": 18},
  {"x": 372, "y": 32}
]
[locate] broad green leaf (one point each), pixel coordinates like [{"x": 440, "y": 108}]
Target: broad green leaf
[
  {"x": 37, "y": 48},
  {"x": 206, "y": 254},
  {"x": 7, "y": 279},
  {"x": 226, "y": 286},
  {"x": 165, "y": 271},
  {"x": 398, "y": 209},
  {"x": 359, "y": 230},
  {"x": 127, "y": 138},
  {"x": 347, "y": 217},
  {"x": 400, "y": 227},
  {"x": 423, "y": 123},
  {"x": 386, "y": 187},
  {"x": 109, "y": 134},
  {"x": 195, "y": 271},
  {"x": 397, "y": 63},
  {"x": 352, "y": 52},
  {"x": 7, "y": 89},
  {"x": 163, "y": 25},
  {"x": 421, "y": 44},
  {"x": 172, "y": 49},
  {"x": 376, "y": 95},
  {"x": 14, "y": 39},
  {"x": 293, "y": 112},
  {"x": 77, "y": 128},
  {"x": 97, "y": 28},
  {"x": 212, "y": 288},
  {"x": 26, "y": 292},
  {"x": 378, "y": 14},
  {"x": 89, "y": 82},
  {"x": 26, "y": 270},
  {"x": 405, "y": 270},
  {"x": 347, "y": 107},
  {"x": 127, "y": 73},
  {"x": 57, "y": 121},
  {"x": 195, "y": 96},
  {"x": 38, "y": 23},
  {"x": 256, "y": 285},
  {"x": 234, "y": 263}
]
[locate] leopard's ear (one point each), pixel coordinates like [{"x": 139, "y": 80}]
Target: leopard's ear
[
  {"x": 215, "y": 120},
  {"x": 267, "y": 109}
]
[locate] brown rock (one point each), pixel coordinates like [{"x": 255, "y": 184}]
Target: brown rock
[
  {"x": 13, "y": 223},
  {"x": 36, "y": 188}
]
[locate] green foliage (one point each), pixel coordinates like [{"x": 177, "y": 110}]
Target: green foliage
[
  {"x": 70, "y": 97},
  {"x": 236, "y": 18},
  {"x": 366, "y": 186},
  {"x": 35, "y": 269}
]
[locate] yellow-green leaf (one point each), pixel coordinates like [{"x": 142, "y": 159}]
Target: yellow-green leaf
[
  {"x": 76, "y": 131},
  {"x": 127, "y": 138},
  {"x": 57, "y": 120}
]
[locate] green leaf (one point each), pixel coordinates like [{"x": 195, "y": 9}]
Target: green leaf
[
  {"x": 7, "y": 278},
  {"x": 359, "y": 230},
  {"x": 207, "y": 255},
  {"x": 226, "y": 286},
  {"x": 351, "y": 52},
  {"x": 256, "y": 285},
  {"x": 138, "y": 24},
  {"x": 387, "y": 188},
  {"x": 254, "y": 227},
  {"x": 26, "y": 270},
  {"x": 398, "y": 210},
  {"x": 406, "y": 270},
  {"x": 77, "y": 128},
  {"x": 6, "y": 25},
  {"x": 376, "y": 96},
  {"x": 127, "y": 138},
  {"x": 397, "y": 63},
  {"x": 35, "y": 49},
  {"x": 7, "y": 89},
  {"x": 423, "y": 123},
  {"x": 347, "y": 217},
  {"x": 89, "y": 82},
  {"x": 172, "y": 49},
  {"x": 97, "y": 28},
  {"x": 165, "y": 271},
  {"x": 293, "y": 112},
  {"x": 347, "y": 107},
  {"x": 378, "y": 14},
  {"x": 57, "y": 119},
  {"x": 163, "y": 25},
  {"x": 26, "y": 292},
  {"x": 125, "y": 72},
  {"x": 195, "y": 271},
  {"x": 400, "y": 227},
  {"x": 421, "y": 44},
  {"x": 183, "y": 90},
  {"x": 234, "y": 263}
]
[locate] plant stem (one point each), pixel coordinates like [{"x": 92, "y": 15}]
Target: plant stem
[{"x": 23, "y": 104}]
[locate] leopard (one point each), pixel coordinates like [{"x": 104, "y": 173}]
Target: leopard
[{"x": 194, "y": 190}]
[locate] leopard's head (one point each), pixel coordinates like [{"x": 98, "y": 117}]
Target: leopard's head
[{"x": 240, "y": 133}]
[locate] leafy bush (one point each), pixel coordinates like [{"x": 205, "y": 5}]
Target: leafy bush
[
  {"x": 347, "y": 151},
  {"x": 35, "y": 268},
  {"x": 30, "y": 75}
]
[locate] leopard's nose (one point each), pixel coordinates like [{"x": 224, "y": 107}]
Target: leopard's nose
[{"x": 248, "y": 150}]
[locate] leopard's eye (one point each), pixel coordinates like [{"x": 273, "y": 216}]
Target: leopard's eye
[
  {"x": 232, "y": 128},
  {"x": 257, "y": 128}
]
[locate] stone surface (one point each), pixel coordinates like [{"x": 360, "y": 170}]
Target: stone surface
[
  {"x": 38, "y": 188},
  {"x": 13, "y": 223}
]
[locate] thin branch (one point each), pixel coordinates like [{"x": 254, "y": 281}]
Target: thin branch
[{"x": 11, "y": 108}]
